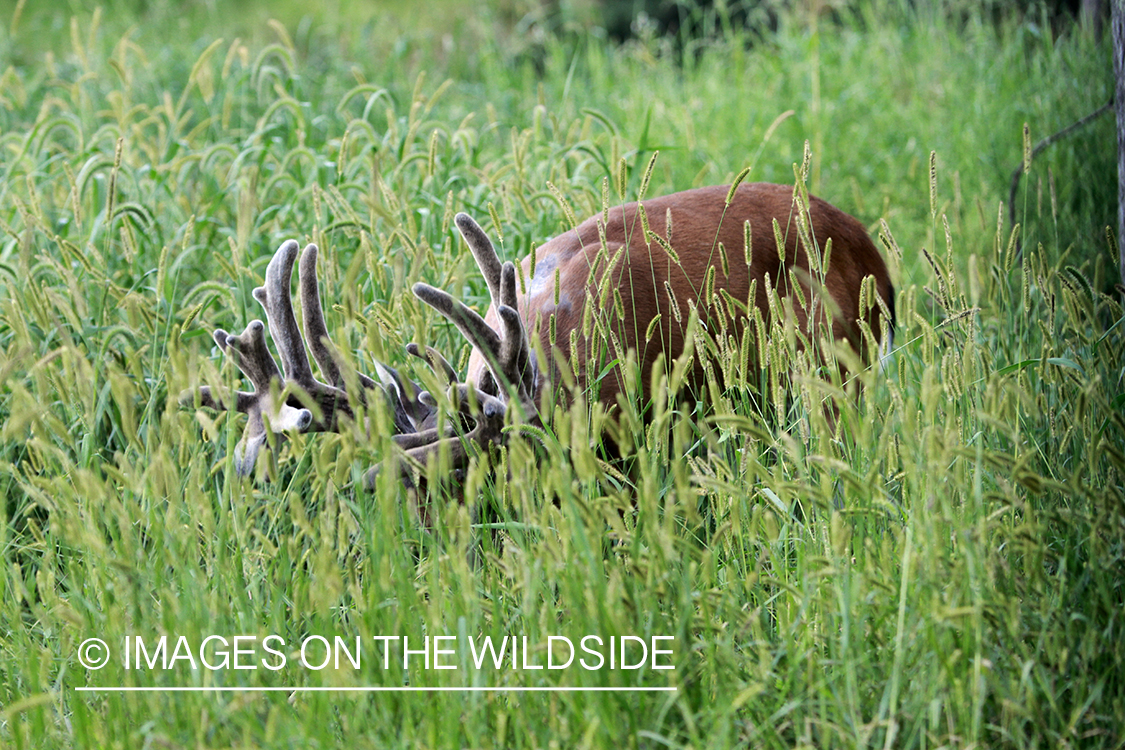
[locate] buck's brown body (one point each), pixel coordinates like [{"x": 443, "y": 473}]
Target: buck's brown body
[{"x": 701, "y": 220}]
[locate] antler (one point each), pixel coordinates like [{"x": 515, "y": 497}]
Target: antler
[
  {"x": 298, "y": 401},
  {"x": 511, "y": 362},
  {"x": 512, "y": 371},
  {"x": 285, "y": 405}
]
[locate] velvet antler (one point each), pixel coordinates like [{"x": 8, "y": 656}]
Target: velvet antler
[
  {"x": 292, "y": 398},
  {"x": 297, "y": 400}
]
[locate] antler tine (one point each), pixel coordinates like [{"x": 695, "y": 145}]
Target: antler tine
[
  {"x": 274, "y": 297},
  {"x": 435, "y": 360},
  {"x": 514, "y": 358},
  {"x": 251, "y": 354},
  {"x": 472, "y": 326},
  {"x": 316, "y": 332},
  {"x": 208, "y": 398},
  {"x": 483, "y": 251},
  {"x": 507, "y": 285}
]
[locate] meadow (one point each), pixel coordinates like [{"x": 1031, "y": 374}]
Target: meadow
[{"x": 944, "y": 569}]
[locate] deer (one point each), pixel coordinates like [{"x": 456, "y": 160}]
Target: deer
[{"x": 653, "y": 258}]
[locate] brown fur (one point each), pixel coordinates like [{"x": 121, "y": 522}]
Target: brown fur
[{"x": 700, "y": 221}]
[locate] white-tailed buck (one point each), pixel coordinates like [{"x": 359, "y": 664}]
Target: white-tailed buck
[{"x": 642, "y": 269}]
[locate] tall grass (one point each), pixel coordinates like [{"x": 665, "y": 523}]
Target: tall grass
[{"x": 945, "y": 568}]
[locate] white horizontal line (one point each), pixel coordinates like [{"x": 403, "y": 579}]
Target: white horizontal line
[{"x": 372, "y": 689}]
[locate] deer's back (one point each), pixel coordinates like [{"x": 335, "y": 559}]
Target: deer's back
[{"x": 642, "y": 273}]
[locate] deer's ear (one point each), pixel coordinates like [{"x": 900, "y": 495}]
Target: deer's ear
[{"x": 406, "y": 399}]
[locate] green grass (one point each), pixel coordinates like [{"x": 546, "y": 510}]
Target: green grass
[{"x": 949, "y": 571}]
